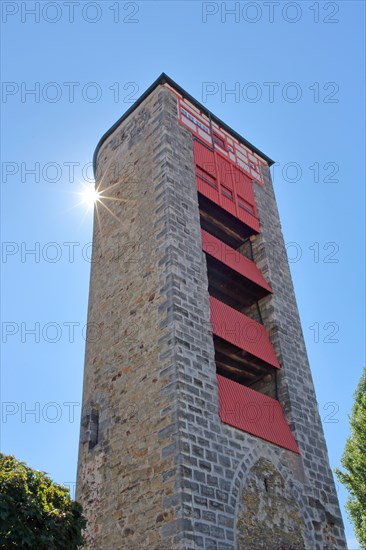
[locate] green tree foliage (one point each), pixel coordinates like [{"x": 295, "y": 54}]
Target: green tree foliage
[
  {"x": 354, "y": 462},
  {"x": 36, "y": 513}
]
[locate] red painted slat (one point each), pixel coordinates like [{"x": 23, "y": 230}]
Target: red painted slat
[
  {"x": 233, "y": 259},
  {"x": 243, "y": 186},
  {"x": 241, "y": 331},
  {"x": 207, "y": 190},
  {"x": 225, "y": 171},
  {"x": 228, "y": 204},
  {"x": 204, "y": 158},
  {"x": 254, "y": 413},
  {"x": 249, "y": 219}
]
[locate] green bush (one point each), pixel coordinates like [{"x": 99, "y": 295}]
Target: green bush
[{"x": 36, "y": 513}]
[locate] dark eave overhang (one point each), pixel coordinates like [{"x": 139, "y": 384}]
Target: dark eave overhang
[{"x": 162, "y": 79}]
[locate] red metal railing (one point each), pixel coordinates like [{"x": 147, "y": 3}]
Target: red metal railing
[
  {"x": 255, "y": 413},
  {"x": 234, "y": 260},
  {"x": 241, "y": 331}
]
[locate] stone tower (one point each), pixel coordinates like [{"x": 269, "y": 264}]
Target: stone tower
[{"x": 199, "y": 423}]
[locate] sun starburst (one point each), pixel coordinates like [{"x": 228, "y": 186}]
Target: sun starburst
[
  {"x": 89, "y": 196},
  {"x": 93, "y": 196}
]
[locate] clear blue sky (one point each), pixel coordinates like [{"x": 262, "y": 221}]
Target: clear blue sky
[{"x": 298, "y": 73}]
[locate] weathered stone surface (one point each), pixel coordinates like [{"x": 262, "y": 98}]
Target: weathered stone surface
[
  {"x": 269, "y": 512},
  {"x": 165, "y": 473}
]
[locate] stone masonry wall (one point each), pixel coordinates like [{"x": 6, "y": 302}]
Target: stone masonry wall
[
  {"x": 165, "y": 472},
  {"x": 127, "y": 480}
]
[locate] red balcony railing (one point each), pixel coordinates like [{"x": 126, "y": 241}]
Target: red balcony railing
[
  {"x": 235, "y": 261},
  {"x": 242, "y": 332},
  {"x": 254, "y": 413}
]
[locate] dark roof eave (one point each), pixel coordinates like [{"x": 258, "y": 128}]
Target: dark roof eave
[{"x": 162, "y": 79}]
